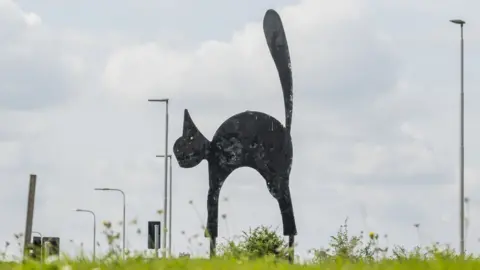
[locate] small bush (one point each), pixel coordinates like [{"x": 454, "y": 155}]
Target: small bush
[
  {"x": 344, "y": 247},
  {"x": 257, "y": 243}
]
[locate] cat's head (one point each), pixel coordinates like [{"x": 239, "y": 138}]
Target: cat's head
[{"x": 191, "y": 148}]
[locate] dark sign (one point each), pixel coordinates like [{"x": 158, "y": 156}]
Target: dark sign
[
  {"x": 51, "y": 245},
  {"x": 248, "y": 139},
  {"x": 36, "y": 248},
  {"x": 151, "y": 234}
]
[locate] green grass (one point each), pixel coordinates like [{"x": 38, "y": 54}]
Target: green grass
[
  {"x": 264, "y": 248},
  {"x": 217, "y": 264}
]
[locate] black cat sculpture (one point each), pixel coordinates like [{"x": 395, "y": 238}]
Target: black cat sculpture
[{"x": 248, "y": 139}]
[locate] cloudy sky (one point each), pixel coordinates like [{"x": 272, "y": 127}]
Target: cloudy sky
[{"x": 375, "y": 126}]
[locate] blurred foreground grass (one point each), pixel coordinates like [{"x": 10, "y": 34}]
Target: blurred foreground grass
[
  {"x": 263, "y": 248},
  {"x": 410, "y": 264}
]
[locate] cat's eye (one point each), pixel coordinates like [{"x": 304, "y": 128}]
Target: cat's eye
[{"x": 191, "y": 138}]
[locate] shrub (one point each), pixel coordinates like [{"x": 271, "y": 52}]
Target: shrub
[
  {"x": 344, "y": 247},
  {"x": 257, "y": 243}
]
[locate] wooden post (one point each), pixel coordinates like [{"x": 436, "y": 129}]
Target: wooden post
[{"x": 29, "y": 219}]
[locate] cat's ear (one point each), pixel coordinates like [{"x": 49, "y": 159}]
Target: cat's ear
[{"x": 188, "y": 124}]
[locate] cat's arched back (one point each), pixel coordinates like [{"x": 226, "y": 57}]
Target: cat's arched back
[{"x": 251, "y": 138}]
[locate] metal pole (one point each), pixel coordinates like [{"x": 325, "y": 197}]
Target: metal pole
[
  {"x": 165, "y": 202},
  {"x": 94, "y": 229},
  {"x": 467, "y": 219},
  {"x": 417, "y": 226},
  {"x": 124, "y": 211},
  {"x": 170, "y": 205},
  {"x": 156, "y": 240},
  {"x": 94, "y": 236},
  {"x": 164, "y": 242},
  {"x": 462, "y": 182},
  {"x": 171, "y": 213},
  {"x": 462, "y": 153},
  {"x": 124, "y": 221},
  {"x": 47, "y": 248}
]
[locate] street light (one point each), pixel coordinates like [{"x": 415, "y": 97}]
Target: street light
[
  {"x": 123, "y": 194},
  {"x": 462, "y": 182},
  {"x": 94, "y": 228},
  {"x": 41, "y": 245},
  {"x": 417, "y": 226},
  {"x": 170, "y": 207},
  {"x": 164, "y": 238}
]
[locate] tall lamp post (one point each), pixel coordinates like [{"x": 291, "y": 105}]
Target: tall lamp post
[
  {"x": 123, "y": 194},
  {"x": 417, "y": 228},
  {"x": 164, "y": 238},
  {"x": 94, "y": 229},
  {"x": 169, "y": 207},
  {"x": 462, "y": 182}
]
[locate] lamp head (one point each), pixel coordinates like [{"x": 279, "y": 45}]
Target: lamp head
[
  {"x": 458, "y": 21},
  {"x": 102, "y": 189},
  {"x": 158, "y": 100}
]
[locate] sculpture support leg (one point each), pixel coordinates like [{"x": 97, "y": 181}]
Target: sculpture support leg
[
  {"x": 291, "y": 249},
  {"x": 213, "y": 245},
  {"x": 288, "y": 220}
]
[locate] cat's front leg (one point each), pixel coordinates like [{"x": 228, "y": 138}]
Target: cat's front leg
[
  {"x": 217, "y": 176},
  {"x": 212, "y": 220},
  {"x": 212, "y": 208}
]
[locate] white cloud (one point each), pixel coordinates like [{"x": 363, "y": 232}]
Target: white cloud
[
  {"x": 32, "y": 19},
  {"x": 153, "y": 68}
]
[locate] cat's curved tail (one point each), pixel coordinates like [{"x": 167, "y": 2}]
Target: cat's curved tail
[{"x": 277, "y": 43}]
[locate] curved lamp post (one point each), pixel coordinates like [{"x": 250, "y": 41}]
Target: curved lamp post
[
  {"x": 462, "y": 182},
  {"x": 94, "y": 228},
  {"x": 123, "y": 194},
  {"x": 164, "y": 239}
]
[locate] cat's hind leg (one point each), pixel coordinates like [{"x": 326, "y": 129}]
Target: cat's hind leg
[
  {"x": 286, "y": 209},
  {"x": 278, "y": 186},
  {"x": 288, "y": 219}
]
